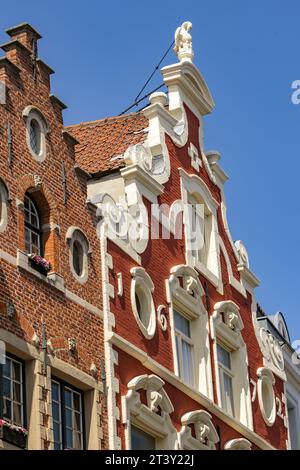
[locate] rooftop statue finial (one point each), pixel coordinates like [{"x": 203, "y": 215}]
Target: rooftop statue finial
[{"x": 183, "y": 42}]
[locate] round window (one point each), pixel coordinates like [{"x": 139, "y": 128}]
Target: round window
[
  {"x": 35, "y": 136},
  {"x": 78, "y": 258}
]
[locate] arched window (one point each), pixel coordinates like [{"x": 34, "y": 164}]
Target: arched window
[
  {"x": 33, "y": 233},
  {"x": 36, "y": 132},
  {"x": 35, "y": 136}
]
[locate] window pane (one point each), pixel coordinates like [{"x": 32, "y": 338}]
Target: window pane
[
  {"x": 7, "y": 368},
  {"x": 6, "y": 388},
  {"x": 55, "y": 391},
  {"x": 16, "y": 392},
  {"x": 188, "y": 373},
  {"x": 77, "y": 440},
  {"x": 77, "y": 422},
  {"x": 182, "y": 324},
  {"x": 76, "y": 401},
  {"x": 57, "y": 436},
  {"x": 35, "y": 136},
  {"x": 55, "y": 411},
  {"x": 69, "y": 439},
  {"x": 17, "y": 415},
  {"x": 141, "y": 440},
  {"x": 7, "y": 409},
  {"x": 77, "y": 258},
  {"x": 16, "y": 371},
  {"x": 35, "y": 242},
  {"x": 224, "y": 357},
  {"x": 68, "y": 398},
  {"x": 68, "y": 418},
  {"x": 228, "y": 394}
]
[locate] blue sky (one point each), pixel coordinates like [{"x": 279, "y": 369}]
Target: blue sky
[{"x": 248, "y": 53}]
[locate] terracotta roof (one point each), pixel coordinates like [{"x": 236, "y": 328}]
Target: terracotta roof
[{"x": 101, "y": 141}]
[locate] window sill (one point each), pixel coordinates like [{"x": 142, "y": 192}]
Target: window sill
[{"x": 54, "y": 279}]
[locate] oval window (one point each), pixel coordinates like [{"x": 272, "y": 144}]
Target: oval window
[
  {"x": 143, "y": 307},
  {"x": 142, "y": 302},
  {"x": 78, "y": 258},
  {"x": 35, "y": 136}
]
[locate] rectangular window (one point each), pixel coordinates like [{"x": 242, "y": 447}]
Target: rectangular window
[
  {"x": 140, "y": 440},
  {"x": 226, "y": 378},
  {"x": 67, "y": 413},
  {"x": 12, "y": 393},
  {"x": 184, "y": 349}
]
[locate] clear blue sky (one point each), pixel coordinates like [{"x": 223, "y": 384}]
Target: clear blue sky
[{"x": 248, "y": 52}]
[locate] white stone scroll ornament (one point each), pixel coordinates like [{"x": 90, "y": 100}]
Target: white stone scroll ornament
[
  {"x": 271, "y": 349},
  {"x": 183, "y": 42}
]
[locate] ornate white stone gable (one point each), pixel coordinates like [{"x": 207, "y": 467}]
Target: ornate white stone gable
[
  {"x": 153, "y": 416},
  {"x": 206, "y": 435}
]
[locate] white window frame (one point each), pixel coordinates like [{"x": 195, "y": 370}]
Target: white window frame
[
  {"x": 184, "y": 295},
  {"x": 194, "y": 189},
  {"x": 181, "y": 337},
  {"x": 226, "y": 326}
]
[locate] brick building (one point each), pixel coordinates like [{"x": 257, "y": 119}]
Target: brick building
[
  {"x": 51, "y": 323},
  {"x": 149, "y": 310}
]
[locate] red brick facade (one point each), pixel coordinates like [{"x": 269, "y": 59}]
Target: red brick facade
[{"x": 75, "y": 310}]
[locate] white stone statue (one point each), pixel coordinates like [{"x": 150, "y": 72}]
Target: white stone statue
[{"x": 183, "y": 42}]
